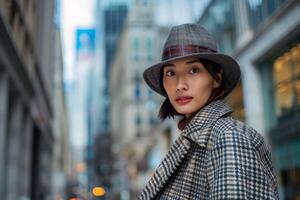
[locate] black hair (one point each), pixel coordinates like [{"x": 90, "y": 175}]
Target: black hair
[{"x": 168, "y": 111}]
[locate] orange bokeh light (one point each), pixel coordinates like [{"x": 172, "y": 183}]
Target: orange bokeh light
[
  {"x": 80, "y": 167},
  {"x": 98, "y": 191}
]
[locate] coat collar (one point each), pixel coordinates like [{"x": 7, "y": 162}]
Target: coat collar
[{"x": 198, "y": 130}]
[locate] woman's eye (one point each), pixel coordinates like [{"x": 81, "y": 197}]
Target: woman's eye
[
  {"x": 169, "y": 73},
  {"x": 194, "y": 70}
]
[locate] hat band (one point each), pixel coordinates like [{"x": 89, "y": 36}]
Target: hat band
[{"x": 182, "y": 50}]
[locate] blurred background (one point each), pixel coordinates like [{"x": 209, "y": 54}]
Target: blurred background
[{"x": 77, "y": 121}]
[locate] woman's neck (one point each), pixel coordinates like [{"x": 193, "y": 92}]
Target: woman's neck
[{"x": 185, "y": 121}]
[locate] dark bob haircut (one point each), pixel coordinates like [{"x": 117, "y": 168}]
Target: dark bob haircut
[{"x": 168, "y": 111}]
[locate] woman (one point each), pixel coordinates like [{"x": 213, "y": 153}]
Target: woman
[{"x": 215, "y": 156}]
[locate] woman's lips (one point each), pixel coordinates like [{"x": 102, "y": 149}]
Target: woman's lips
[{"x": 184, "y": 100}]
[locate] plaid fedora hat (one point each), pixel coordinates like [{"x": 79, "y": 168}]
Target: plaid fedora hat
[{"x": 192, "y": 40}]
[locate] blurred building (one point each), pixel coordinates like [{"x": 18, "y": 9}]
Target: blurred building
[
  {"x": 110, "y": 18},
  {"x": 109, "y": 24},
  {"x": 62, "y": 160},
  {"x": 27, "y": 137},
  {"x": 134, "y": 106},
  {"x": 264, "y": 36}
]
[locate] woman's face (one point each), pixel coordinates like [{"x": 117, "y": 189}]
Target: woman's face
[{"x": 188, "y": 84}]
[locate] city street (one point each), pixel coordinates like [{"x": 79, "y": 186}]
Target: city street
[{"x": 79, "y": 122}]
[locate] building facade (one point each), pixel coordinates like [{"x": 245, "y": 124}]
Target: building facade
[
  {"x": 61, "y": 158},
  {"x": 27, "y": 139},
  {"x": 264, "y": 37},
  {"x": 268, "y": 49}
]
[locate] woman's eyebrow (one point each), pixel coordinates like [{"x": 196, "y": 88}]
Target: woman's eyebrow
[
  {"x": 193, "y": 61},
  {"x": 169, "y": 65}
]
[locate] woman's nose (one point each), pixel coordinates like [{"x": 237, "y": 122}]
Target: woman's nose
[{"x": 181, "y": 84}]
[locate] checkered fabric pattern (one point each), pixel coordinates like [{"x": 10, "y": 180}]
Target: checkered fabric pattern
[{"x": 215, "y": 157}]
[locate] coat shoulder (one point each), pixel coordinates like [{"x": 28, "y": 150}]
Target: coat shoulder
[
  {"x": 229, "y": 126},
  {"x": 237, "y": 145}
]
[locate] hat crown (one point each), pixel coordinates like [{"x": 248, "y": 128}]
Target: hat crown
[{"x": 190, "y": 34}]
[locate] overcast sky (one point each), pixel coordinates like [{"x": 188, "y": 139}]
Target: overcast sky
[{"x": 79, "y": 13}]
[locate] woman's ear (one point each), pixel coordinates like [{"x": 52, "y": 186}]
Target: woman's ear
[{"x": 218, "y": 81}]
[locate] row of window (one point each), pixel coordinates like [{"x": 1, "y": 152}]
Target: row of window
[
  {"x": 137, "y": 89},
  {"x": 260, "y": 10},
  {"x": 138, "y": 46},
  {"x": 220, "y": 19},
  {"x": 138, "y": 95}
]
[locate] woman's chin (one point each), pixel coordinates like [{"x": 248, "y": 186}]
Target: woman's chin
[{"x": 184, "y": 112}]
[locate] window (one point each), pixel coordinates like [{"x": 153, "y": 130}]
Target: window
[
  {"x": 149, "y": 46},
  {"x": 137, "y": 92},
  {"x": 259, "y": 10},
  {"x": 135, "y": 49},
  {"x": 142, "y": 2},
  {"x": 288, "y": 164},
  {"x": 138, "y": 122},
  {"x": 145, "y": 2},
  {"x": 152, "y": 120},
  {"x": 286, "y": 88},
  {"x": 220, "y": 21}
]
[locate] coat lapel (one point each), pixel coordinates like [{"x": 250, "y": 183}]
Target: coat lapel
[
  {"x": 198, "y": 130},
  {"x": 166, "y": 168}
]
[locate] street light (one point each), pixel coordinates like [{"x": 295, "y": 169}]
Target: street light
[{"x": 98, "y": 191}]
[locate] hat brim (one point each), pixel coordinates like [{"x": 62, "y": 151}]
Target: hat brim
[{"x": 231, "y": 71}]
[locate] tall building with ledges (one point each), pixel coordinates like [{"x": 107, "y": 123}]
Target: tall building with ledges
[{"x": 134, "y": 106}]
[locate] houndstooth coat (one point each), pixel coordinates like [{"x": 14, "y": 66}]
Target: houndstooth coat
[{"x": 215, "y": 157}]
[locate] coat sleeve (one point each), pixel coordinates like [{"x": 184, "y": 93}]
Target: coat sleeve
[{"x": 241, "y": 167}]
